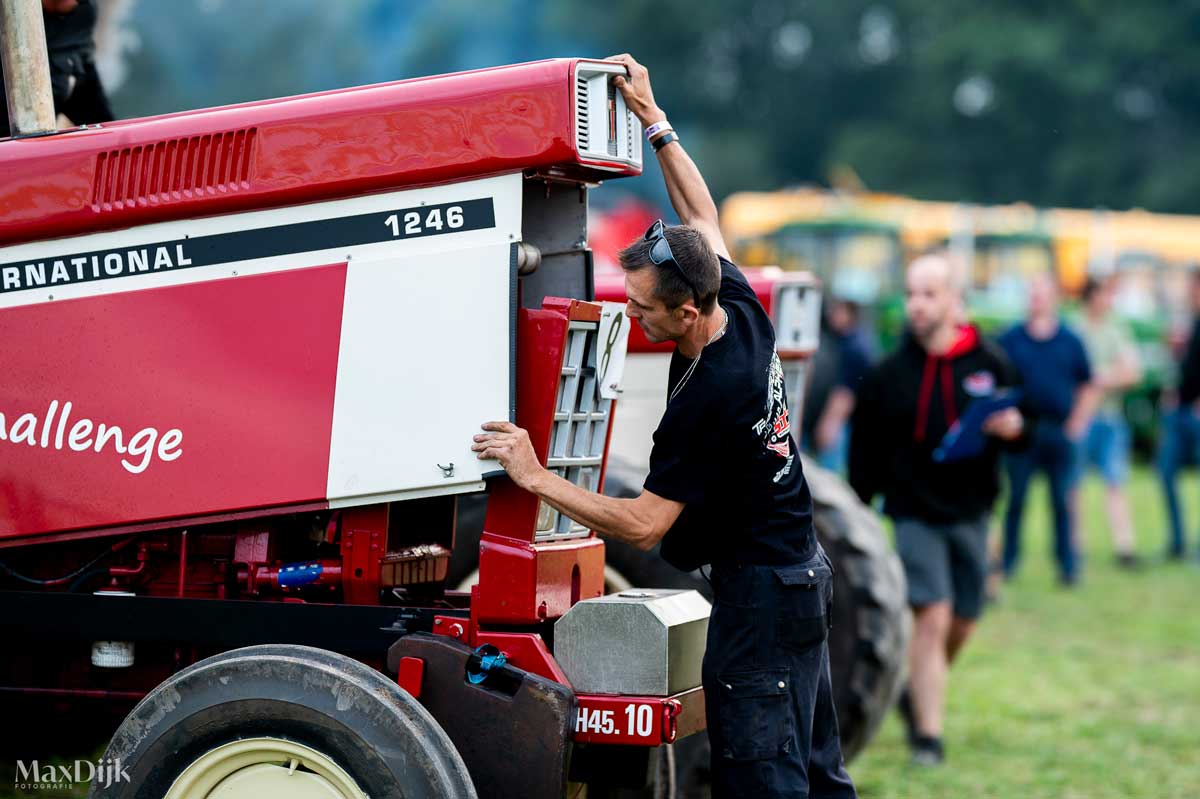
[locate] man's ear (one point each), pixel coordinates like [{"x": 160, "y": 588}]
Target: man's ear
[{"x": 687, "y": 312}]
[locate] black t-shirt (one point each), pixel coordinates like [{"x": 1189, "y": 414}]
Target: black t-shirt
[{"x": 725, "y": 448}]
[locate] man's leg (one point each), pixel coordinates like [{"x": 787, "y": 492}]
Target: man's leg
[
  {"x": 1059, "y": 462},
  {"x": 968, "y": 578},
  {"x": 924, "y": 554},
  {"x": 1170, "y": 453},
  {"x": 827, "y": 775},
  {"x": 1085, "y": 455},
  {"x": 1114, "y": 463},
  {"x": 960, "y": 630},
  {"x": 762, "y": 684},
  {"x": 1117, "y": 504},
  {"x": 1020, "y": 467},
  {"x": 927, "y": 664}
]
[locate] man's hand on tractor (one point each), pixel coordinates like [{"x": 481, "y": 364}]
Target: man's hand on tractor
[
  {"x": 509, "y": 444},
  {"x": 639, "y": 98}
]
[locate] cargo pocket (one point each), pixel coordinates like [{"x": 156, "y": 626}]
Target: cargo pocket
[
  {"x": 754, "y": 710},
  {"x": 801, "y": 620}
]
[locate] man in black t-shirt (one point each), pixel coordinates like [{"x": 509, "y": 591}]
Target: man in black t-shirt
[{"x": 725, "y": 489}]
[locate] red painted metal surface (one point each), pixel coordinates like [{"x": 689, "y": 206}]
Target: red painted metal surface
[
  {"x": 525, "y": 651},
  {"x": 638, "y": 720},
  {"x": 411, "y": 675},
  {"x": 532, "y": 583},
  {"x": 364, "y": 543},
  {"x": 522, "y": 582},
  {"x": 541, "y": 336},
  {"x": 455, "y": 627},
  {"x": 292, "y": 150},
  {"x": 243, "y": 369},
  {"x": 610, "y": 287},
  {"x": 164, "y": 524}
]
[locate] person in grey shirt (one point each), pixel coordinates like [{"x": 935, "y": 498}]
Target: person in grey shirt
[{"x": 1105, "y": 444}]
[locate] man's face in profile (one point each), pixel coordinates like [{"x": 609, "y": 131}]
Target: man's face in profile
[{"x": 658, "y": 322}]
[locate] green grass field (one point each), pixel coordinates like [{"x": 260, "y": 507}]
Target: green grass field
[{"x": 1092, "y": 693}]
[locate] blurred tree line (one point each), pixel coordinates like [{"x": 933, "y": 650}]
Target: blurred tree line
[{"x": 1078, "y": 102}]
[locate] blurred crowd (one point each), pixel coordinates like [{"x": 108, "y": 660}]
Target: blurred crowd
[
  {"x": 1080, "y": 424},
  {"x": 950, "y": 421}
]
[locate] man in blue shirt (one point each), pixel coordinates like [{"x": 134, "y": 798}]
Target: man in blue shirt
[{"x": 1056, "y": 378}]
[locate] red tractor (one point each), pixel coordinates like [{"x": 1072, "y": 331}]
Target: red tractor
[{"x": 248, "y": 348}]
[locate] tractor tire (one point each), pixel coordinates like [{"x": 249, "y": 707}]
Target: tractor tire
[
  {"x": 296, "y": 718},
  {"x": 868, "y": 641}
]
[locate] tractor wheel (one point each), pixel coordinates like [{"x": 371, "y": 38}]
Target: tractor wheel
[
  {"x": 281, "y": 720},
  {"x": 868, "y": 643}
]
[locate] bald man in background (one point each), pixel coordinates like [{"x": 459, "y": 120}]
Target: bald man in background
[{"x": 940, "y": 510}]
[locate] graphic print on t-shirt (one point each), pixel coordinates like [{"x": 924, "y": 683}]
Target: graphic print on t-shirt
[
  {"x": 774, "y": 428},
  {"x": 980, "y": 384}
]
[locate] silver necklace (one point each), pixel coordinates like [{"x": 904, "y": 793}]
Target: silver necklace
[{"x": 686, "y": 375}]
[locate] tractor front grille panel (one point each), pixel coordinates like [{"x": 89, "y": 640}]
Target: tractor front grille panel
[{"x": 581, "y": 419}]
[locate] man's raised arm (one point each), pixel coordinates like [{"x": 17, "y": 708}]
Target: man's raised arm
[{"x": 685, "y": 185}]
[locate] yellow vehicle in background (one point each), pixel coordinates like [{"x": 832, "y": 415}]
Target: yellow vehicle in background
[{"x": 857, "y": 244}]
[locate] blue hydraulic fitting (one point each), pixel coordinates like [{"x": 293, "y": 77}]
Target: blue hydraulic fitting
[{"x": 489, "y": 658}]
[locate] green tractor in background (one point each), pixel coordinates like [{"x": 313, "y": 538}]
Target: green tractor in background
[
  {"x": 862, "y": 261},
  {"x": 1000, "y": 266},
  {"x": 856, "y": 260}
]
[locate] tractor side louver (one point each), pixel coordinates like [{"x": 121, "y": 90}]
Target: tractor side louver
[{"x": 191, "y": 167}]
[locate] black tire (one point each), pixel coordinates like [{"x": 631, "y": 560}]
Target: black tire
[
  {"x": 367, "y": 724},
  {"x": 868, "y": 644}
]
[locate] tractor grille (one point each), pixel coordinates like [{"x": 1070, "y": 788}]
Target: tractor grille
[
  {"x": 583, "y": 126},
  {"x": 605, "y": 130},
  {"x": 581, "y": 418}
]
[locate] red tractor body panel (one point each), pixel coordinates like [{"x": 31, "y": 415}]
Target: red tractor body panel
[
  {"x": 69, "y": 385},
  {"x": 340, "y": 143}
]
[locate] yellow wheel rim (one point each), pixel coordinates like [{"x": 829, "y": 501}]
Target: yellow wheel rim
[{"x": 260, "y": 768}]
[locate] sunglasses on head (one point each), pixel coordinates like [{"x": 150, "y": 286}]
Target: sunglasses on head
[{"x": 660, "y": 254}]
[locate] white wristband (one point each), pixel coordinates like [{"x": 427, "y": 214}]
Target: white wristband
[{"x": 657, "y": 128}]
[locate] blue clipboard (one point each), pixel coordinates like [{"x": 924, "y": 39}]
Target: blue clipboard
[{"x": 965, "y": 438}]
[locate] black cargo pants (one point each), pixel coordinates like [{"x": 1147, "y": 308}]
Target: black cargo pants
[{"x": 768, "y": 696}]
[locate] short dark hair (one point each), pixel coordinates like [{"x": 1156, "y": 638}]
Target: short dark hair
[{"x": 695, "y": 257}]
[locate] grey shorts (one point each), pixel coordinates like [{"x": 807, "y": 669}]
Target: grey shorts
[{"x": 945, "y": 563}]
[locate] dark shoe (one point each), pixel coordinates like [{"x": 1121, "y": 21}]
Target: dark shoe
[
  {"x": 904, "y": 708},
  {"x": 1128, "y": 560},
  {"x": 1068, "y": 580},
  {"x": 928, "y": 752}
]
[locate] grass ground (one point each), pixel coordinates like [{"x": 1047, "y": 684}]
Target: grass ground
[{"x": 1092, "y": 693}]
